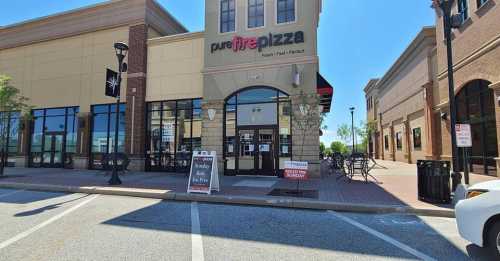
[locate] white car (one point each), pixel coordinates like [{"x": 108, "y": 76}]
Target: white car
[{"x": 478, "y": 216}]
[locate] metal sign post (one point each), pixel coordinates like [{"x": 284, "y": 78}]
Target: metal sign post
[{"x": 464, "y": 141}]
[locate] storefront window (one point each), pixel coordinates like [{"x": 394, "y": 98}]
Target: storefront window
[
  {"x": 103, "y": 132},
  {"x": 53, "y": 139},
  {"x": 417, "y": 138},
  {"x": 9, "y": 133},
  {"x": 399, "y": 141},
  {"x": 174, "y": 132}
]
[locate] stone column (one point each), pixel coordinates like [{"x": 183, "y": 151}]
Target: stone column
[
  {"x": 430, "y": 137},
  {"x": 135, "y": 132},
  {"x": 22, "y": 157},
  {"x": 496, "y": 90},
  {"x": 212, "y": 132},
  {"x": 393, "y": 144},
  {"x": 305, "y": 145},
  {"x": 406, "y": 124},
  {"x": 81, "y": 158},
  {"x": 382, "y": 144}
]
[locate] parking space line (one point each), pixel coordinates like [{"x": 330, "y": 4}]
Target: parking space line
[
  {"x": 11, "y": 193},
  {"x": 196, "y": 241},
  {"x": 384, "y": 237},
  {"x": 32, "y": 230}
]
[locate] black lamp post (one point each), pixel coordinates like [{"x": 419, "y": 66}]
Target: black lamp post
[
  {"x": 352, "y": 129},
  {"x": 450, "y": 22},
  {"x": 121, "y": 50}
]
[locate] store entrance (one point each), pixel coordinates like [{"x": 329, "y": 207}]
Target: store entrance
[
  {"x": 257, "y": 151},
  {"x": 53, "y": 150}
]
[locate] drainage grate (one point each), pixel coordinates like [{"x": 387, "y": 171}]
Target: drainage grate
[{"x": 294, "y": 193}]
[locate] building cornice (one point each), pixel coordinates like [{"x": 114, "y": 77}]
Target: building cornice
[
  {"x": 485, "y": 48},
  {"x": 261, "y": 65},
  {"x": 426, "y": 37},
  {"x": 175, "y": 38},
  {"x": 371, "y": 85},
  {"x": 108, "y": 15}
]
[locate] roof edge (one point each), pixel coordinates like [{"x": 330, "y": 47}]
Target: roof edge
[{"x": 427, "y": 32}]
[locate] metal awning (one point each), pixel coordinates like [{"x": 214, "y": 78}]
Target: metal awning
[{"x": 325, "y": 91}]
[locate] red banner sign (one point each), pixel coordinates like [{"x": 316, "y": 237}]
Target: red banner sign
[{"x": 296, "y": 170}]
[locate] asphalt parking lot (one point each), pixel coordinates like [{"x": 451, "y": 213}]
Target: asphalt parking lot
[{"x": 56, "y": 226}]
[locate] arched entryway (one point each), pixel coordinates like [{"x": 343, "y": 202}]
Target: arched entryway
[
  {"x": 257, "y": 131},
  {"x": 476, "y": 106}
]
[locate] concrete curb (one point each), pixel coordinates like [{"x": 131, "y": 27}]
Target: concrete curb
[{"x": 236, "y": 200}]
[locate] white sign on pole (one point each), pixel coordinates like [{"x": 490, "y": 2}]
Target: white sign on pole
[{"x": 464, "y": 136}]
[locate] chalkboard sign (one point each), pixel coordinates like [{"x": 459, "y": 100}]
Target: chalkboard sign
[{"x": 203, "y": 177}]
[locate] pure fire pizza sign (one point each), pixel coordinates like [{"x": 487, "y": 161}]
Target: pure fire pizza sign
[
  {"x": 296, "y": 170},
  {"x": 239, "y": 43}
]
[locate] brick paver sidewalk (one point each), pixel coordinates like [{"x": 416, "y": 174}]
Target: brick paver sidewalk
[{"x": 397, "y": 184}]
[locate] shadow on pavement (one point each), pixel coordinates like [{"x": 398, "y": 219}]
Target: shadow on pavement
[
  {"x": 46, "y": 208},
  {"x": 20, "y": 197},
  {"x": 299, "y": 228}
]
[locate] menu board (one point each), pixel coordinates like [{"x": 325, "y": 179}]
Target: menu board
[{"x": 204, "y": 175}]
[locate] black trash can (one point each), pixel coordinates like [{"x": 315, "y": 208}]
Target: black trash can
[{"x": 434, "y": 181}]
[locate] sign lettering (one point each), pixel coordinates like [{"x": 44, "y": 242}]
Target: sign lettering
[{"x": 239, "y": 43}]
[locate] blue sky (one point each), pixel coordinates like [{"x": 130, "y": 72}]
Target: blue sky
[{"x": 358, "y": 40}]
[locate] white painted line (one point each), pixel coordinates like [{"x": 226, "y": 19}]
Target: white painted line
[
  {"x": 11, "y": 193},
  {"x": 196, "y": 241},
  {"x": 384, "y": 237},
  {"x": 32, "y": 230}
]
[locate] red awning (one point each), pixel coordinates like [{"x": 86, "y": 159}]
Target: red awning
[{"x": 325, "y": 90}]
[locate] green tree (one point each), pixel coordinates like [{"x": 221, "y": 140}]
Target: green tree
[
  {"x": 308, "y": 117},
  {"x": 364, "y": 131},
  {"x": 345, "y": 133},
  {"x": 322, "y": 148},
  {"x": 328, "y": 152},
  {"x": 338, "y": 147},
  {"x": 10, "y": 101}
]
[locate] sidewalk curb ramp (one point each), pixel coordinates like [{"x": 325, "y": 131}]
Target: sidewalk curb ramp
[{"x": 282, "y": 202}]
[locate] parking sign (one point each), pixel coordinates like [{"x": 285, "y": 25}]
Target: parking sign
[{"x": 464, "y": 137}]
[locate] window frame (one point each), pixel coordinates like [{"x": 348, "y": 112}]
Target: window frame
[
  {"x": 276, "y": 11},
  {"x": 219, "y": 19},
  {"x": 413, "y": 131},
  {"x": 173, "y": 167},
  {"x": 481, "y": 3},
  {"x": 247, "y": 16},
  {"x": 463, "y": 10},
  {"x": 399, "y": 141}
]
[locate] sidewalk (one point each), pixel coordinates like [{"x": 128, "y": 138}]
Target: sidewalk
[{"x": 395, "y": 192}]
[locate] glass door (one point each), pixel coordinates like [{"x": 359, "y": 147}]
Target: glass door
[
  {"x": 257, "y": 152},
  {"x": 266, "y": 152},
  {"x": 53, "y": 150},
  {"x": 246, "y": 157}
]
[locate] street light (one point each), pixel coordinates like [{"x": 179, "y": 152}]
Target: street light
[
  {"x": 352, "y": 129},
  {"x": 450, "y": 22},
  {"x": 121, "y": 50}
]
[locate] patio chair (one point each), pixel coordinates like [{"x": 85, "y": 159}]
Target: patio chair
[
  {"x": 340, "y": 163},
  {"x": 358, "y": 164}
]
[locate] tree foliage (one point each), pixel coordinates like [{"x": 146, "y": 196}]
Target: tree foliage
[
  {"x": 10, "y": 101},
  {"x": 338, "y": 147},
  {"x": 345, "y": 134}
]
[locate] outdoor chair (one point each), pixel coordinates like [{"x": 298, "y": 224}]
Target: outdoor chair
[{"x": 358, "y": 164}]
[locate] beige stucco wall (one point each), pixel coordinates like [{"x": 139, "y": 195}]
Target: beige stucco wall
[
  {"x": 65, "y": 72},
  {"x": 174, "y": 68},
  {"x": 227, "y": 71}
]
